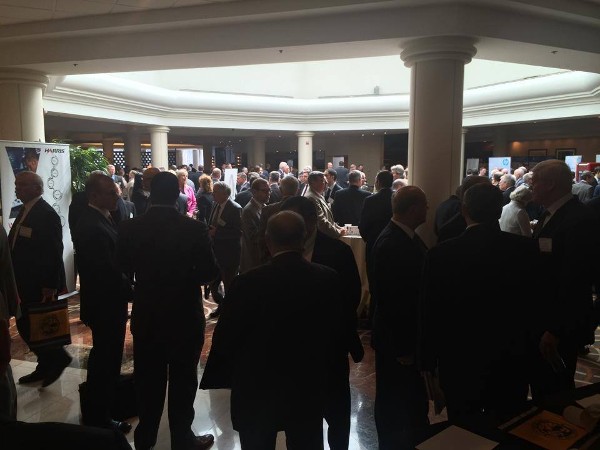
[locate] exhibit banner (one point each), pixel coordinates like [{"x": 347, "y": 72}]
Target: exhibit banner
[
  {"x": 52, "y": 163},
  {"x": 502, "y": 162},
  {"x": 230, "y": 177}
]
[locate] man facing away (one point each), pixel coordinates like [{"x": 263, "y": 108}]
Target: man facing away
[
  {"x": 286, "y": 375},
  {"x": 170, "y": 257},
  {"x": 104, "y": 292},
  {"x": 397, "y": 259},
  {"x": 36, "y": 250}
]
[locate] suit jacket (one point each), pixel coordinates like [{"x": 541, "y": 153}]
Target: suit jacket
[
  {"x": 337, "y": 255},
  {"x": 454, "y": 227},
  {"x": 38, "y": 258},
  {"x": 275, "y": 195},
  {"x": 567, "y": 285},
  {"x": 375, "y": 215},
  {"x": 243, "y": 198},
  {"x": 583, "y": 190},
  {"x": 467, "y": 337},
  {"x": 287, "y": 373},
  {"x": 9, "y": 297},
  {"x": 226, "y": 241},
  {"x": 250, "y": 256},
  {"x": 396, "y": 260},
  {"x": 330, "y": 192},
  {"x": 342, "y": 176},
  {"x": 348, "y": 205},
  {"x": 104, "y": 289},
  {"x": 167, "y": 302},
  {"x": 204, "y": 200},
  {"x": 506, "y": 194},
  {"x": 325, "y": 222},
  {"x": 445, "y": 211},
  {"x": 125, "y": 210}
]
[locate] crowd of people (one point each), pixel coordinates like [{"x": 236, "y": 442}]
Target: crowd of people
[{"x": 270, "y": 254}]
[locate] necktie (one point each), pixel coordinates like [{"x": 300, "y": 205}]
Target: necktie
[
  {"x": 540, "y": 223},
  {"x": 216, "y": 211},
  {"x": 12, "y": 235}
]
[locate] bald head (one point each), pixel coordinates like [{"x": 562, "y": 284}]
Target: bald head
[
  {"x": 552, "y": 179},
  {"x": 285, "y": 232},
  {"x": 28, "y": 185},
  {"x": 147, "y": 176}
]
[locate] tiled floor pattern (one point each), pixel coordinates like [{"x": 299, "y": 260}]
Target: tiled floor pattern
[{"x": 60, "y": 401}]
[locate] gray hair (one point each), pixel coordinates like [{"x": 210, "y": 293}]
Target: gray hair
[
  {"x": 522, "y": 194},
  {"x": 399, "y": 169},
  {"x": 223, "y": 186},
  {"x": 289, "y": 186}
]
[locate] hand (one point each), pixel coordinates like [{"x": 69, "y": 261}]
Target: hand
[
  {"x": 549, "y": 346},
  {"x": 342, "y": 231},
  {"x": 48, "y": 295}
]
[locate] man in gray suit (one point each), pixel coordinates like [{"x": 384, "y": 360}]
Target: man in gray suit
[
  {"x": 225, "y": 230},
  {"x": 325, "y": 223},
  {"x": 251, "y": 223}
]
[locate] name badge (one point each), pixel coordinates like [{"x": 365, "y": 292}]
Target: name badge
[
  {"x": 222, "y": 223},
  {"x": 545, "y": 245},
  {"x": 25, "y": 231}
]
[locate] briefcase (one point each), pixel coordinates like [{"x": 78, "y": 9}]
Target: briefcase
[
  {"x": 49, "y": 324},
  {"x": 125, "y": 401}
]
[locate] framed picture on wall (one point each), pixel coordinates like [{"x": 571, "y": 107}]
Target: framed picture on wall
[
  {"x": 561, "y": 153},
  {"x": 537, "y": 152}
]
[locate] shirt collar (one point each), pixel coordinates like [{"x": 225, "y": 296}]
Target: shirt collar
[
  {"x": 411, "y": 233},
  {"x": 31, "y": 203},
  {"x": 104, "y": 212},
  {"x": 559, "y": 203}
]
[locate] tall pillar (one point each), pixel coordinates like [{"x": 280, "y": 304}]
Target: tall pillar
[
  {"x": 133, "y": 149},
  {"x": 22, "y": 111},
  {"x": 436, "y": 109},
  {"x": 207, "y": 152},
  {"x": 257, "y": 154},
  {"x": 500, "y": 142},
  {"x": 108, "y": 149},
  {"x": 305, "y": 153},
  {"x": 160, "y": 146},
  {"x": 195, "y": 157},
  {"x": 463, "y": 161}
]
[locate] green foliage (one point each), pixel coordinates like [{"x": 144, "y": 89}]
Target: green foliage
[{"x": 83, "y": 162}]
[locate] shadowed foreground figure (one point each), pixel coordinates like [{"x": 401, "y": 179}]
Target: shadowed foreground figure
[
  {"x": 170, "y": 257},
  {"x": 276, "y": 363}
]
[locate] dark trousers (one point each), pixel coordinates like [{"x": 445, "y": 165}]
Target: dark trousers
[
  {"x": 154, "y": 363},
  {"x": 337, "y": 406},
  {"x": 400, "y": 400},
  {"x": 227, "y": 274},
  {"x": 103, "y": 370},
  {"x": 543, "y": 379},
  {"x": 301, "y": 435},
  {"x": 48, "y": 357},
  {"x": 66, "y": 436}
]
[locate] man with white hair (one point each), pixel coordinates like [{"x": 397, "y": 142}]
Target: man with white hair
[
  {"x": 518, "y": 173},
  {"x": 36, "y": 249},
  {"x": 397, "y": 171}
]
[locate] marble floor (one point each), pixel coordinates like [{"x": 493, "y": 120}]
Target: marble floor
[{"x": 59, "y": 402}]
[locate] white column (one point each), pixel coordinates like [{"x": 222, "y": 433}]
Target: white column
[
  {"x": 160, "y": 147},
  {"x": 256, "y": 155},
  {"x": 305, "y": 153},
  {"x": 133, "y": 149},
  {"x": 195, "y": 157},
  {"x": 436, "y": 108},
  {"x": 22, "y": 111},
  {"x": 178, "y": 157},
  {"x": 463, "y": 161}
]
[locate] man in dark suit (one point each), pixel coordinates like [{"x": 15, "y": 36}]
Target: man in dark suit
[
  {"x": 36, "y": 250},
  {"x": 243, "y": 197},
  {"x": 397, "y": 256},
  {"x": 287, "y": 374},
  {"x": 332, "y": 185},
  {"x": 342, "y": 174},
  {"x": 446, "y": 210},
  {"x": 348, "y": 203},
  {"x": 112, "y": 172},
  {"x": 563, "y": 324},
  {"x": 321, "y": 249},
  {"x": 274, "y": 186},
  {"x": 167, "y": 320},
  {"x": 478, "y": 347},
  {"x": 375, "y": 215},
  {"x": 104, "y": 292},
  {"x": 225, "y": 229}
]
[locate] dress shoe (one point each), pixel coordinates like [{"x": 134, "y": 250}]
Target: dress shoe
[
  {"x": 123, "y": 427},
  {"x": 55, "y": 373},
  {"x": 33, "y": 377},
  {"x": 203, "y": 442}
]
